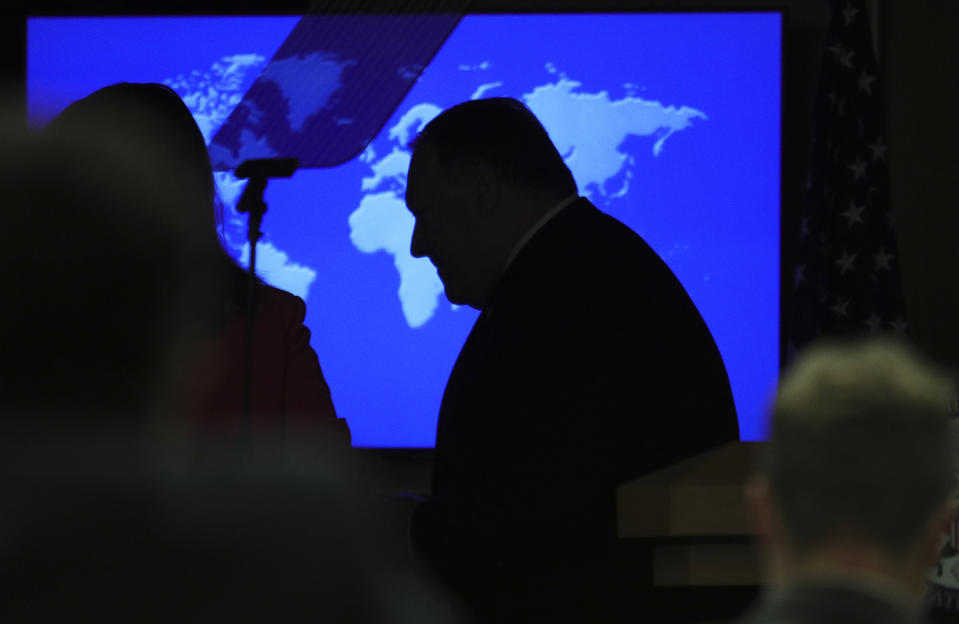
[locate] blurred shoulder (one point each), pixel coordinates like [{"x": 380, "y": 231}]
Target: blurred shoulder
[
  {"x": 274, "y": 302},
  {"x": 271, "y": 295}
]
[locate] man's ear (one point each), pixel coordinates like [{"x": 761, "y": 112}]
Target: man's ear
[{"x": 487, "y": 189}]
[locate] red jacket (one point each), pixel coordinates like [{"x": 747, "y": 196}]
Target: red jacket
[{"x": 289, "y": 393}]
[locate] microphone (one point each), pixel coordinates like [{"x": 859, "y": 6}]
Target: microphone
[
  {"x": 267, "y": 168},
  {"x": 258, "y": 171}
]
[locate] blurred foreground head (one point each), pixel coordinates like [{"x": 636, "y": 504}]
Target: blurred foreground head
[
  {"x": 268, "y": 540},
  {"x": 103, "y": 280},
  {"x": 859, "y": 464}
]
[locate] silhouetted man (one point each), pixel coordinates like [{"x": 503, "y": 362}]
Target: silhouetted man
[
  {"x": 588, "y": 366},
  {"x": 853, "y": 496}
]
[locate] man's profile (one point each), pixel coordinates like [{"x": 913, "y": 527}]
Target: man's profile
[
  {"x": 588, "y": 366},
  {"x": 852, "y": 496}
]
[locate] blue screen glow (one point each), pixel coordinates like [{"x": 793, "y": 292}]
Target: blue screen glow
[{"x": 669, "y": 122}]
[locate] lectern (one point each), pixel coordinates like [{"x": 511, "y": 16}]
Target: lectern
[{"x": 694, "y": 518}]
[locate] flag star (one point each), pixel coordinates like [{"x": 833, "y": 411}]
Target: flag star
[
  {"x": 800, "y": 275},
  {"x": 841, "y": 107},
  {"x": 840, "y": 308},
  {"x": 837, "y": 50},
  {"x": 845, "y": 262},
  {"x": 846, "y": 59},
  {"x": 865, "y": 82},
  {"x": 853, "y": 214},
  {"x": 874, "y": 323},
  {"x": 858, "y": 168},
  {"x": 882, "y": 259},
  {"x": 899, "y": 325},
  {"x": 878, "y": 149},
  {"x": 849, "y": 14}
]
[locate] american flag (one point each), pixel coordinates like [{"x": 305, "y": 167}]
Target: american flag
[{"x": 847, "y": 276}]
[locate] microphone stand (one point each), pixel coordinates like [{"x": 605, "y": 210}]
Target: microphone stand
[{"x": 258, "y": 171}]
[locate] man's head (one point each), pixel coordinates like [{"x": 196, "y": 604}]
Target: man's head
[
  {"x": 859, "y": 465},
  {"x": 481, "y": 174}
]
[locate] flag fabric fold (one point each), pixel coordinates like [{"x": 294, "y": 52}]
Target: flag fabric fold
[{"x": 847, "y": 277}]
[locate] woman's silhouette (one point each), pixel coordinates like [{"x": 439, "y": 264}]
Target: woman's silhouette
[{"x": 289, "y": 395}]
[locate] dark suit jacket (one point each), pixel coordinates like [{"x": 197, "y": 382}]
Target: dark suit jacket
[
  {"x": 825, "y": 603},
  {"x": 591, "y": 366}
]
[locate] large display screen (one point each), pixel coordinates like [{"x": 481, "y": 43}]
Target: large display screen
[{"x": 669, "y": 122}]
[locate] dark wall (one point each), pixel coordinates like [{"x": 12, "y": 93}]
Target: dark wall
[{"x": 919, "y": 57}]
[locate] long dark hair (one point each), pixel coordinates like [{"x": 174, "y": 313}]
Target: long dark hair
[{"x": 152, "y": 120}]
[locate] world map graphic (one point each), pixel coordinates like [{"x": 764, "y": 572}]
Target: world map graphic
[
  {"x": 669, "y": 123},
  {"x": 380, "y": 222}
]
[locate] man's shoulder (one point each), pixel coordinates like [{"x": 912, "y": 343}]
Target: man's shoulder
[
  {"x": 584, "y": 255},
  {"x": 584, "y": 240},
  {"x": 584, "y": 222}
]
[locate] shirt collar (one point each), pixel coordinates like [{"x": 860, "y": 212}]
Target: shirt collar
[{"x": 546, "y": 218}]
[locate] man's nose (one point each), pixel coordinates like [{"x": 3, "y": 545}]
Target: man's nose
[{"x": 418, "y": 247}]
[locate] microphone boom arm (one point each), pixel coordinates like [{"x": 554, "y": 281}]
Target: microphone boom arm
[{"x": 258, "y": 171}]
